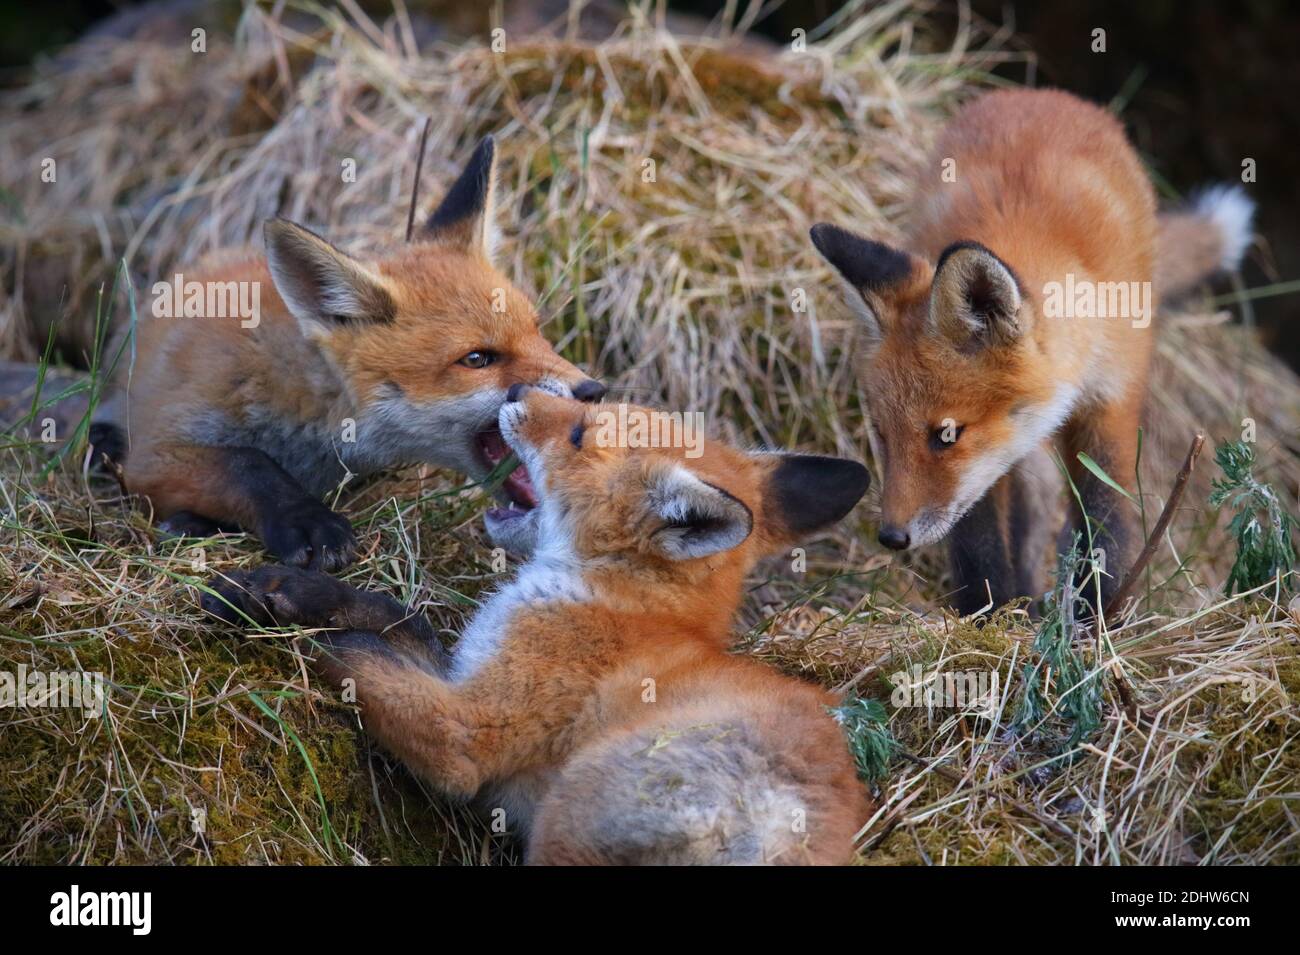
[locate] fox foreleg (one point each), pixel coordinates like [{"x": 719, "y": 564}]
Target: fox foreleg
[
  {"x": 245, "y": 488},
  {"x": 384, "y": 658},
  {"x": 290, "y": 596}
]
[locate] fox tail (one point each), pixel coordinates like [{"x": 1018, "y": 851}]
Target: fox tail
[{"x": 1209, "y": 235}]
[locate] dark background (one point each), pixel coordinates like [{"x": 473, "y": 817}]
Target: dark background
[{"x": 1201, "y": 84}]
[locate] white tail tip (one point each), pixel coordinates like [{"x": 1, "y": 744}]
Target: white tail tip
[{"x": 1231, "y": 211}]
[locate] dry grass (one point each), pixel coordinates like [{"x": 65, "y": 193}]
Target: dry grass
[{"x": 680, "y": 291}]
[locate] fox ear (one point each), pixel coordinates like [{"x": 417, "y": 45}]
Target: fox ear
[
  {"x": 808, "y": 492},
  {"x": 699, "y": 519},
  {"x": 870, "y": 269},
  {"x": 975, "y": 298},
  {"x": 466, "y": 218},
  {"x": 322, "y": 286}
]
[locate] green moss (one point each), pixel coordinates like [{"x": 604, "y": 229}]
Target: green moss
[
  {"x": 184, "y": 739},
  {"x": 1248, "y": 785}
]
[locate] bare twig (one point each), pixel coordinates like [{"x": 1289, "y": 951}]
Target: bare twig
[
  {"x": 1126, "y": 585},
  {"x": 1175, "y": 495},
  {"x": 415, "y": 186}
]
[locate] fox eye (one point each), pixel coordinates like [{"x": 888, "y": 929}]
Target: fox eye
[
  {"x": 575, "y": 436},
  {"x": 943, "y": 438},
  {"x": 478, "y": 359}
]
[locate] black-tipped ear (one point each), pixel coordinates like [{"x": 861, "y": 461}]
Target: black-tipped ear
[
  {"x": 465, "y": 217},
  {"x": 321, "y": 285},
  {"x": 870, "y": 269},
  {"x": 807, "y": 492},
  {"x": 865, "y": 264}
]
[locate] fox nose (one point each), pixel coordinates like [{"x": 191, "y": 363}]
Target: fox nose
[
  {"x": 516, "y": 391},
  {"x": 589, "y": 390},
  {"x": 895, "y": 538}
]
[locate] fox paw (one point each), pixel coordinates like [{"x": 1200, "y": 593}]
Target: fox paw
[
  {"x": 108, "y": 442},
  {"x": 189, "y": 524},
  {"x": 308, "y": 534},
  {"x": 277, "y": 595}
]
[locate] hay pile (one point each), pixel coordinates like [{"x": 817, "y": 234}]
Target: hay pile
[{"x": 656, "y": 196}]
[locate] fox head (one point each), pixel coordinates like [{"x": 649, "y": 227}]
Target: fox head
[
  {"x": 428, "y": 336},
  {"x": 957, "y": 387},
  {"x": 662, "y": 514}
]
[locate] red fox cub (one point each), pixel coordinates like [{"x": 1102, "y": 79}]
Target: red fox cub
[
  {"x": 343, "y": 367},
  {"x": 1019, "y": 311},
  {"x": 593, "y": 697}
]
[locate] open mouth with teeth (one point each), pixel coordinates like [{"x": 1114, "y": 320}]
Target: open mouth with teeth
[{"x": 518, "y": 486}]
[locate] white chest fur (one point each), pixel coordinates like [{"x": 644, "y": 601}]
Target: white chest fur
[{"x": 550, "y": 577}]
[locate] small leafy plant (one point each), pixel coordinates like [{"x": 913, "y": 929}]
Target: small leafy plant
[
  {"x": 866, "y": 725},
  {"x": 1261, "y": 525},
  {"x": 1060, "y": 670}
]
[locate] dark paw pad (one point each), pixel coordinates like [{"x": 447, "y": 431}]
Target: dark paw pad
[
  {"x": 278, "y": 595},
  {"x": 106, "y": 441},
  {"x": 308, "y": 534},
  {"x": 189, "y": 524}
]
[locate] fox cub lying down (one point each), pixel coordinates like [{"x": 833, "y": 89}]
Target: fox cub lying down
[{"x": 593, "y": 697}]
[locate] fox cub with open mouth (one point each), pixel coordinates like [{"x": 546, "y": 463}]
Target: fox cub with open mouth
[
  {"x": 351, "y": 367},
  {"x": 593, "y": 697}
]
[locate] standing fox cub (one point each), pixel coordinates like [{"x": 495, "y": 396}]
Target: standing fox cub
[
  {"x": 1020, "y": 311},
  {"x": 349, "y": 367},
  {"x": 593, "y": 697}
]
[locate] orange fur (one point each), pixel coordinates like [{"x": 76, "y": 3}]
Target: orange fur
[
  {"x": 348, "y": 366},
  {"x": 1025, "y": 192},
  {"x": 1051, "y": 186},
  {"x": 593, "y": 698},
  {"x": 188, "y": 367}
]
